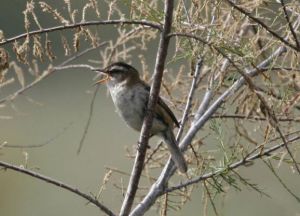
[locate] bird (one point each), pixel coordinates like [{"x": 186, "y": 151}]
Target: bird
[{"x": 130, "y": 95}]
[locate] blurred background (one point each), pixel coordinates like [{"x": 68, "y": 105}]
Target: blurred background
[{"x": 55, "y": 112}]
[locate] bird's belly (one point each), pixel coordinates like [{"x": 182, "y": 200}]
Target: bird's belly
[{"x": 130, "y": 106}]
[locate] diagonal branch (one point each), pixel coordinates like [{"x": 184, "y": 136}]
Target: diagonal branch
[
  {"x": 76, "y": 25},
  {"x": 58, "y": 184},
  {"x": 154, "y": 92}
]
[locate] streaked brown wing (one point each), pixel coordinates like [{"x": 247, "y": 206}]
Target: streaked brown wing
[{"x": 163, "y": 109}]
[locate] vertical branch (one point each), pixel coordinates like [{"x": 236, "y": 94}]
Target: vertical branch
[
  {"x": 154, "y": 92},
  {"x": 188, "y": 105}
]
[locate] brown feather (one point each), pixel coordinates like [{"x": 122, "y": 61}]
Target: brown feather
[{"x": 163, "y": 110}]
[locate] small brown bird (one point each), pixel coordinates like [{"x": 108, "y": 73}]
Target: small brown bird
[{"x": 130, "y": 95}]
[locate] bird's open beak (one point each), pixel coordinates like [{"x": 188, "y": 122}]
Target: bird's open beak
[
  {"x": 106, "y": 76},
  {"x": 101, "y": 70}
]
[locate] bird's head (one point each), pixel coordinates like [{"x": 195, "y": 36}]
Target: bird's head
[{"x": 118, "y": 72}]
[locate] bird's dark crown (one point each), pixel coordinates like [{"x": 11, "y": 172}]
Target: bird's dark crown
[
  {"x": 120, "y": 71},
  {"x": 119, "y": 67}
]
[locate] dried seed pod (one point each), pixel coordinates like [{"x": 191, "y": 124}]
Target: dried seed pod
[
  {"x": 3, "y": 59},
  {"x": 2, "y": 37}
]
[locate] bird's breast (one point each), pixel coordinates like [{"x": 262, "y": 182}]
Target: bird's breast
[{"x": 130, "y": 103}]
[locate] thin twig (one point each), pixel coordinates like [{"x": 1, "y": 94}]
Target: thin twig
[
  {"x": 87, "y": 125},
  {"x": 188, "y": 105},
  {"x": 205, "y": 101},
  {"x": 76, "y": 25},
  {"x": 257, "y": 118},
  {"x": 186, "y": 12},
  {"x": 270, "y": 166},
  {"x": 57, "y": 183},
  {"x": 156, "y": 148},
  {"x": 74, "y": 66},
  {"x": 60, "y": 133},
  {"x": 210, "y": 198}
]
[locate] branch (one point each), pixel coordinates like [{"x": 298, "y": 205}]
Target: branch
[
  {"x": 188, "y": 105},
  {"x": 206, "y": 100},
  {"x": 88, "y": 122},
  {"x": 257, "y": 118},
  {"x": 246, "y": 13},
  {"x": 58, "y": 184},
  {"x": 272, "y": 169},
  {"x": 48, "y": 141},
  {"x": 154, "y": 92},
  {"x": 232, "y": 166},
  {"x": 76, "y": 25}
]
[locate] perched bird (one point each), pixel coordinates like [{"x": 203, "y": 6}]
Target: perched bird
[{"x": 130, "y": 95}]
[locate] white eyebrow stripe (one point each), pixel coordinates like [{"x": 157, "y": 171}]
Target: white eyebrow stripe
[{"x": 118, "y": 67}]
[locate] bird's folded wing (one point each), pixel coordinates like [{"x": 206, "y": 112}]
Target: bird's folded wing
[{"x": 163, "y": 109}]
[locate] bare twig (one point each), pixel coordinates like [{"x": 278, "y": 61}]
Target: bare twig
[
  {"x": 58, "y": 184},
  {"x": 186, "y": 12},
  {"x": 190, "y": 97},
  {"x": 154, "y": 92},
  {"x": 87, "y": 125},
  {"x": 210, "y": 198},
  {"x": 205, "y": 101},
  {"x": 257, "y": 118},
  {"x": 76, "y": 25},
  {"x": 73, "y": 66},
  {"x": 60, "y": 133},
  {"x": 270, "y": 166},
  {"x": 156, "y": 148}
]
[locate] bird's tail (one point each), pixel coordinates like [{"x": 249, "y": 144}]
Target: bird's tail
[{"x": 176, "y": 154}]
